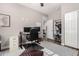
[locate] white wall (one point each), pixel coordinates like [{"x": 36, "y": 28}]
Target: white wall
[
  {"x": 49, "y": 32},
  {"x": 55, "y": 15},
  {"x": 67, "y": 7},
  {"x": 20, "y": 16}
]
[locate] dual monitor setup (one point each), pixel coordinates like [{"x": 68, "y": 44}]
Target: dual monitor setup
[{"x": 28, "y": 29}]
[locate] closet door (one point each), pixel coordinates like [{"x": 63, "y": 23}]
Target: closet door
[{"x": 71, "y": 29}]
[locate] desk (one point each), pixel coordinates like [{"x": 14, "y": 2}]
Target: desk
[
  {"x": 28, "y": 33},
  {"x": 25, "y": 33}
]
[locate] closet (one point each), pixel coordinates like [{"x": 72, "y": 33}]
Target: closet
[{"x": 72, "y": 29}]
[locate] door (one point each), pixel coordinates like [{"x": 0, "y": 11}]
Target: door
[{"x": 71, "y": 29}]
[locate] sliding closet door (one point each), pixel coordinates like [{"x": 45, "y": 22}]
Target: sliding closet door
[{"x": 71, "y": 29}]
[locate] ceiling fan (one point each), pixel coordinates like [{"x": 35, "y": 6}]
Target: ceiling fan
[{"x": 42, "y": 4}]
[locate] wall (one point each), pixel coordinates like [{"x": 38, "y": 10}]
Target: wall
[
  {"x": 49, "y": 25},
  {"x": 56, "y": 14},
  {"x": 59, "y": 14},
  {"x": 20, "y": 16},
  {"x": 67, "y": 7}
]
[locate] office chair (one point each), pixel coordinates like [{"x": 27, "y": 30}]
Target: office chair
[
  {"x": 33, "y": 38},
  {"x": 33, "y": 35},
  {"x": 20, "y": 40}
]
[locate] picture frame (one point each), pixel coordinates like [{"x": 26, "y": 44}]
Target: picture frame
[{"x": 5, "y": 20}]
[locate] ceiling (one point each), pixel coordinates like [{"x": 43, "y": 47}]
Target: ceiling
[{"x": 46, "y": 9}]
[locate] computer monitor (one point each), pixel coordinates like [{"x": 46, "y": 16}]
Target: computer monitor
[
  {"x": 38, "y": 28},
  {"x": 27, "y": 29}
]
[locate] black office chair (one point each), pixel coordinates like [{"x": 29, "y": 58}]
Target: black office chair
[
  {"x": 20, "y": 40},
  {"x": 33, "y": 35},
  {"x": 33, "y": 38}
]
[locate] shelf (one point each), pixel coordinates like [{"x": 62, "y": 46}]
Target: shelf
[{"x": 57, "y": 29}]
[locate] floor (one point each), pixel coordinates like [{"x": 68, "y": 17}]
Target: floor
[{"x": 58, "y": 49}]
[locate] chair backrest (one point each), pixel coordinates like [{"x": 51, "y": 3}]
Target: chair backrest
[{"x": 33, "y": 34}]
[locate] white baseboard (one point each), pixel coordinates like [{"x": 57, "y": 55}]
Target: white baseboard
[
  {"x": 62, "y": 44},
  {"x": 4, "y": 47}
]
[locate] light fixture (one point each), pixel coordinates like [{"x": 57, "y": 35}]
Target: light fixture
[{"x": 41, "y": 4}]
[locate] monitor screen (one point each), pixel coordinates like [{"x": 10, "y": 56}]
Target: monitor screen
[
  {"x": 38, "y": 28},
  {"x": 27, "y": 29}
]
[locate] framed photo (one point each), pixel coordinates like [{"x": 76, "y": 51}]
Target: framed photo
[{"x": 5, "y": 20}]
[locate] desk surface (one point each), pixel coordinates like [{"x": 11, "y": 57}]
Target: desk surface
[{"x": 27, "y": 32}]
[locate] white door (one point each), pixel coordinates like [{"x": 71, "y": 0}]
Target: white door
[
  {"x": 50, "y": 29},
  {"x": 71, "y": 29}
]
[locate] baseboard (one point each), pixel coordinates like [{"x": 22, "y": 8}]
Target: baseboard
[
  {"x": 71, "y": 47},
  {"x": 4, "y": 49},
  {"x": 62, "y": 44},
  {"x": 52, "y": 40}
]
